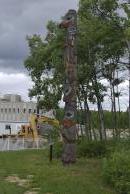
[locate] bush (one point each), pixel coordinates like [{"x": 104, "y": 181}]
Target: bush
[
  {"x": 57, "y": 149},
  {"x": 116, "y": 171},
  {"x": 84, "y": 149},
  {"x": 91, "y": 149}
]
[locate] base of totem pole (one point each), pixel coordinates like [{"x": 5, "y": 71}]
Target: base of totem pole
[{"x": 69, "y": 154}]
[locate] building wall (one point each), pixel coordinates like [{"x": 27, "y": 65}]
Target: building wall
[
  {"x": 14, "y": 112},
  {"x": 14, "y": 128}
]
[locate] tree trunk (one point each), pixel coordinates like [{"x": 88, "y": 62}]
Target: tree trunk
[
  {"x": 102, "y": 130},
  {"x": 128, "y": 45},
  {"x": 89, "y": 120},
  {"x": 101, "y": 118},
  {"x": 114, "y": 108},
  {"x": 37, "y": 108},
  {"x": 81, "y": 112},
  {"x": 87, "y": 115},
  {"x": 119, "y": 108},
  {"x": 129, "y": 93},
  {"x": 118, "y": 95}
]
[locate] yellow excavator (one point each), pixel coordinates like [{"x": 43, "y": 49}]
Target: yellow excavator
[{"x": 38, "y": 124}]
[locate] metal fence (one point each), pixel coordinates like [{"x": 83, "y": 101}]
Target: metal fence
[{"x": 12, "y": 143}]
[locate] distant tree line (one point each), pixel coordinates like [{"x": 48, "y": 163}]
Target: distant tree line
[{"x": 123, "y": 122}]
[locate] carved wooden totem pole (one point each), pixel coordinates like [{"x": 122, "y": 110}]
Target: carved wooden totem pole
[{"x": 69, "y": 121}]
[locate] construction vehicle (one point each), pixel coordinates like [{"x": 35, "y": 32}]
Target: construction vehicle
[{"x": 38, "y": 126}]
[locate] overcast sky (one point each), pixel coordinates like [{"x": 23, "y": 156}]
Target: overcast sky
[{"x": 19, "y": 18}]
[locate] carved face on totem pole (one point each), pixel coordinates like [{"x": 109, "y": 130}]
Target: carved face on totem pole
[{"x": 69, "y": 20}]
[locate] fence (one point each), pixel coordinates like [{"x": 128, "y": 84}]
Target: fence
[{"x": 13, "y": 143}]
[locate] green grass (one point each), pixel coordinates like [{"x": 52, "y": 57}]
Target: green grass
[{"x": 52, "y": 178}]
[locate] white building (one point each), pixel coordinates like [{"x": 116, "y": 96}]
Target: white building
[{"x": 13, "y": 113}]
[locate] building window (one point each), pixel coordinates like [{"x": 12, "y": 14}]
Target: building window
[
  {"x": 7, "y": 127},
  {"x": 9, "y": 110},
  {"x": 5, "y": 110},
  {"x": 14, "y": 110},
  {"x": 34, "y": 110},
  {"x": 1, "y": 110},
  {"x": 18, "y": 110},
  {"x": 24, "y": 110},
  {"x": 29, "y": 110}
]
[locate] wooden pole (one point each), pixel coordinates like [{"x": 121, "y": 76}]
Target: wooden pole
[{"x": 69, "y": 122}]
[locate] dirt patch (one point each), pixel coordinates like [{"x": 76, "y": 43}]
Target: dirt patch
[
  {"x": 34, "y": 192},
  {"x": 23, "y": 183},
  {"x": 20, "y": 182},
  {"x": 31, "y": 192},
  {"x": 48, "y": 193},
  {"x": 12, "y": 179},
  {"x": 30, "y": 176},
  {"x": 75, "y": 173},
  {"x": 35, "y": 189}
]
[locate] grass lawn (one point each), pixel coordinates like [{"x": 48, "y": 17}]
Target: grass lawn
[{"x": 50, "y": 178}]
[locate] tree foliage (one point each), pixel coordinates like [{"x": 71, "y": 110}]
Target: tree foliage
[{"x": 102, "y": 43}]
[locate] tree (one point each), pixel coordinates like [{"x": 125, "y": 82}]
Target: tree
[
  {"x": 44, "y": 66},
  {"x": 127, "y": 40},
  {"x": 102, "y": 43}
]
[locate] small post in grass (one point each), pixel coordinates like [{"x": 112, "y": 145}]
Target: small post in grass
[
  {"x": 50, "y": 149},
  {"x": 51, "y": 152}
]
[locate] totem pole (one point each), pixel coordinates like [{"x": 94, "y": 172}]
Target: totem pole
[{"x": 69, "y": 122}]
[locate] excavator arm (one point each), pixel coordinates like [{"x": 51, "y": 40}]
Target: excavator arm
[{"x": 31, "y": 130}]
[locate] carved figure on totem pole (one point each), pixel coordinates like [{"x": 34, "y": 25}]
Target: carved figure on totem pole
[{"x": 69, "y": 122}]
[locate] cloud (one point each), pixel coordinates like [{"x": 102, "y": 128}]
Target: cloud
[
  {"x": 11, "y": 66},
  {"x": 19, "y": 18},
  {"x": 17, "y": 83}
]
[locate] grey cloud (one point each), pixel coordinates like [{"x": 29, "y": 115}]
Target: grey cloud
[
  {"x": 19, "y": 18},
  {"x": 15, "y": 83},
  {"x": 12, "y": 66},
  {"x": 12, "y": 46}
]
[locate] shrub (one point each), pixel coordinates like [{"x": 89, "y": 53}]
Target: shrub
[
  {"x": 94, "y": 148},
  {"x": 57, "y": 149},
  {"x": 84, "y": 149},
  {"x": 91, "y": 149},
  {"x": 116, "y": 171}
]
